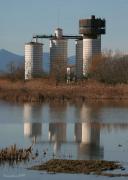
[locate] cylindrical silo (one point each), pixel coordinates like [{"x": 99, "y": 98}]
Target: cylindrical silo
[
  {"x": 58, "y": 54},
  {"x": 91, "y": 30},
  {"x": 33, "y": 59},
  {"x": 91, "y": 50},
  {"x": 79, "y": 59}
]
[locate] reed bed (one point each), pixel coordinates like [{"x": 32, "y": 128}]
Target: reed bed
[
  {"x": 40, "y": 90},
  {"x": 13, "y": 153}
]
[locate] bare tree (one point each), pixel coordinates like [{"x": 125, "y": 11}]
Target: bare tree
[
  {"x": 15, "y": 71},
  {"x": 110, "y": 68}
]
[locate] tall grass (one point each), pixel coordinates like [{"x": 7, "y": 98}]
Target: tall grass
[
  {"x": 39, "y": 90},
  {"x": 108, "y": 78}
]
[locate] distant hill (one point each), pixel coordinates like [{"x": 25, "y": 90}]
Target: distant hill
[{"x": 7, "y": 57}]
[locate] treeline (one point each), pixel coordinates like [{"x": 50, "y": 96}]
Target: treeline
[
  {"x": 13, "y": 71},
  {"x": 109, "y": 68}
]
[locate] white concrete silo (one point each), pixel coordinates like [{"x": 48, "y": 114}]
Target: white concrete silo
[
  {"x": 58, "y": 54},
  {"x": 33, "y": 59},
  {"x": 91, "y": 49}
]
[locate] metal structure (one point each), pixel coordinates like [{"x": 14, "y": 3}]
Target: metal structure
[
  {"x": 58, "y": 51},
  {"x": 88, "y": 46},
  {"x": 91, "y": 30},
  {"x": 33, "y": 60},
  {"x": 54, "y": 36}
]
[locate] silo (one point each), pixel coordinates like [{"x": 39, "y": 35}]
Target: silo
[
  {"x": 91, "y": 30},
  {"x": 58, "y": 54},
  {"x": 33, "y": 60},
  {"x": 91, "y": 50},
  {"x": 79, "y": 59}
]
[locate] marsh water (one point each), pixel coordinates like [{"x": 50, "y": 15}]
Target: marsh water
[{"x": 66, "y": 131}]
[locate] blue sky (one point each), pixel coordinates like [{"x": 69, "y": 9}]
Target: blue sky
[{"x": 21, "y": 19}]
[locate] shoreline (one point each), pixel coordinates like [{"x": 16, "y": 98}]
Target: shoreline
[{"x": 41, "y": 90}]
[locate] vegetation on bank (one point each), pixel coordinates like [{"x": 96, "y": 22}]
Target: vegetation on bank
[
  {"x": 107, "y": 79},
  {"x": 40, "y": 90},
  {"x": 110, "y": 69}
]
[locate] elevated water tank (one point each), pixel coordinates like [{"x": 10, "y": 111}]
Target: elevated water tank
[{"x": 91, "y": 30}]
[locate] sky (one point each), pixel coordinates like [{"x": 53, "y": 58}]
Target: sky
[{"x": 21, "y": 19}]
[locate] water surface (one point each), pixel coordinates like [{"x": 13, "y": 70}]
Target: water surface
[{"x": 64, "y": 130}]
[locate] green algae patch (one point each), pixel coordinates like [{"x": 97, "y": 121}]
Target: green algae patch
[{"x": 97, "y": 167}]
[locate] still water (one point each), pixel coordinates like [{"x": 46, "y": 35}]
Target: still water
[{"x": 65, "y": 130}]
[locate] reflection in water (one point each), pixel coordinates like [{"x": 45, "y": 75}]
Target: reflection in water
[
  {"x": 85, "y": 134},
  {"x": 81, "y": 130},
  {"x": 32, "y": 128},
  {"x": 57, "y": 112},
  {"x": 66, "y": 126},
  {"x": 89, "y": 113},
  {"x": 88, "y": 137},
  {"x": 57, "y": 134}
]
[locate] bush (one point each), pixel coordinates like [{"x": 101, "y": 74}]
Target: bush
[
  {"x": 15, "y": 72},
  {"x": 110, "y": 69}
]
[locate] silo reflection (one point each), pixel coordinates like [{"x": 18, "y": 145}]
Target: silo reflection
[
  {"x": 32, "y": 123},
  {"x": 87, "y": 135},
  {"x": 57, "y": 135}
]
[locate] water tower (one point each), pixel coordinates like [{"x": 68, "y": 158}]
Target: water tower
[{"x": 91, "y": 30}]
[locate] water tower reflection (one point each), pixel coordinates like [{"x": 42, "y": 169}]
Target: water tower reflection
[{"x": 87, "y": 134}]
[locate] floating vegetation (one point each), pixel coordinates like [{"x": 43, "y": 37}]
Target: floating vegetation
[{"x": 97, "y": 167}]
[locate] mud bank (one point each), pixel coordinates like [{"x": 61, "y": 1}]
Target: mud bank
[{"x": 96, "y": 167}]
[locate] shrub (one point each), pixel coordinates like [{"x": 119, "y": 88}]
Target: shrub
[{"x": 110, "y": 69}]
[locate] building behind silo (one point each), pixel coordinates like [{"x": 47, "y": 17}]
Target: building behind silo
[
  {"x": 33, "y": 60},
  {"x": 91, "y": 30},
  {"x": 58, "y": 54},
  {"x": 79, "y": 59}
]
